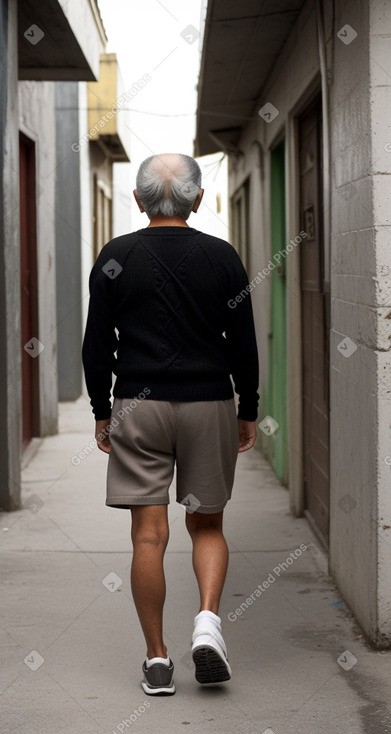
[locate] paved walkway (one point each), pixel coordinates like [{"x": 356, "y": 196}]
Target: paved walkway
[{"x": 70, "y": 638}]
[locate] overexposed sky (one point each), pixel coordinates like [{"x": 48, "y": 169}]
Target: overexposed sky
[{"x": 164, "y": 41}]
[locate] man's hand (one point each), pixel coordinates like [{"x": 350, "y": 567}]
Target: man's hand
[
  {"x": 102, "y": 435},
  {"x": 247, "y": 434}
]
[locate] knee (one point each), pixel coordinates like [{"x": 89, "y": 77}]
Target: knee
[
  {"x": 198, "y": 522},
  {"x": 150, "y": 526},
  {"x": 154, "y": 536}
]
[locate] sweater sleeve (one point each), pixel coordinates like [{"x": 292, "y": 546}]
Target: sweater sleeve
[
  {"x": 100, "y": 341},
  {"x": 241, "y": 339}
]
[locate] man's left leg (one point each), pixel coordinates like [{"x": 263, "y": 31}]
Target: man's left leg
[
  {"x": 210, "y": 556},
  {"x": 210, "y": 562}
]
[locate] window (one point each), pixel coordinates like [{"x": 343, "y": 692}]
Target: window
[
  {"x": 240, "y": 222},
  {"x": 102, "y": 215}
]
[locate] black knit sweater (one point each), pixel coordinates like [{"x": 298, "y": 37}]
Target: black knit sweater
[{"x": 159, "y": 299}]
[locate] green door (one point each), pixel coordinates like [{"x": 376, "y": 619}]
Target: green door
[{"x": 276, "y": 397}]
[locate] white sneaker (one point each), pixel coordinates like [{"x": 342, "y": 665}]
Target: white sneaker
[{"x": 208, "y": 649}]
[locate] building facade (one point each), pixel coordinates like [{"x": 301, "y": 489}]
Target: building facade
[
  {"x": 299, "y": 98},
  {"x": 39, "y": 45},
  {"x": 92, "y": 135}
]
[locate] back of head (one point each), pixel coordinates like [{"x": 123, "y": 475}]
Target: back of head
[{"x": 168, "y": 184}]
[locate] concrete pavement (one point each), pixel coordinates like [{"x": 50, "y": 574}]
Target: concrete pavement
[{"x": 70, "y": 639}]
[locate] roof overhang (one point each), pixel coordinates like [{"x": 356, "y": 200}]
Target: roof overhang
[
  {"x": 242, "y": 42},
  {"x": 59, "y": 41}
]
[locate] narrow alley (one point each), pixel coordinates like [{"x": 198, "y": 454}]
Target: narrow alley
[{"x": 71, "y": 643}]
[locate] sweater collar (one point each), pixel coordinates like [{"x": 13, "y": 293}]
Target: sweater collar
[{"x": 182, "y": 231}]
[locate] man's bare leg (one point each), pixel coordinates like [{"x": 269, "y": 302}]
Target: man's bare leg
[
  {"x": 149, "y": 535},
  {"x": 210, "y": 562},
  {"x": 210, "y": 556}
]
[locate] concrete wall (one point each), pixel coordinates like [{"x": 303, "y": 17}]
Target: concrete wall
[
  {"x": 380, "y": 102},
  {"x": 68, "y": 242},
  {"x": 361, "y": 289},
  {"x": 353, "y": 434},
  {"x": 10, "y": 329},
  {"x": 37, "y": 120}
]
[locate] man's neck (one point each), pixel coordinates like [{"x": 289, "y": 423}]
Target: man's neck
[{"x": 161, "y": 221}]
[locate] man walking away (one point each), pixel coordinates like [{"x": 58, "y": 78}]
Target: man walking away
[{"x": 163, "y": 317}]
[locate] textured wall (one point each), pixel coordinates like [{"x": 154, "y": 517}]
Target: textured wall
[
  {"x": 354, "y": 415},
  {"x": 380, "y": 100},
  {"x": 361, "y": 383}
]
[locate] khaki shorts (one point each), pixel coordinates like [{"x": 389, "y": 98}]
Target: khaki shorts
[{"x": 149, "y": 439}]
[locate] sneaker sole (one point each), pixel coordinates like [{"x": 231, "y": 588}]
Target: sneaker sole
[
  {"x": 210, "y": 666},
  {"x": 163, "y": 691}
]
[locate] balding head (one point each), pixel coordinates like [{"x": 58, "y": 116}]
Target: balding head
[
  {"x": 167, "y": 165},
  {"x": 168, "y": 184}
]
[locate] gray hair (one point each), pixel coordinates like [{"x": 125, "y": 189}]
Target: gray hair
[{"x": 172, "y": 192}]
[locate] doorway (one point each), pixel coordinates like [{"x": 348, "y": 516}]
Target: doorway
[
  {"x": 277, "y": 382},
  {"x": 29, "y": 291},
  {"x": 315, "y": 322}
]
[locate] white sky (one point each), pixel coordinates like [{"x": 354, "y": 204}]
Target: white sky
[{"x": 146, "y": 36}]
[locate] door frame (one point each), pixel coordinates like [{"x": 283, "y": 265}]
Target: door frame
[
  {"x": 33, "y": 315},
  {"x": 278, "y": 458},
  {"x": 293, "y": 303},
  {"x": 317, "y": 501}
]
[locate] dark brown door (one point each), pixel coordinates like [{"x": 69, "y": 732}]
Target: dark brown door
[
  {"x": 29, "y": 292},
  {"x": 315, "y": 326}
]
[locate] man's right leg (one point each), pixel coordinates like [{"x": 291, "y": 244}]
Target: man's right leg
[{"x": 149, "y": 537}]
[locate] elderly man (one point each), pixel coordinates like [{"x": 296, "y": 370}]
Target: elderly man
[{"x": 163, "y": 300}]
